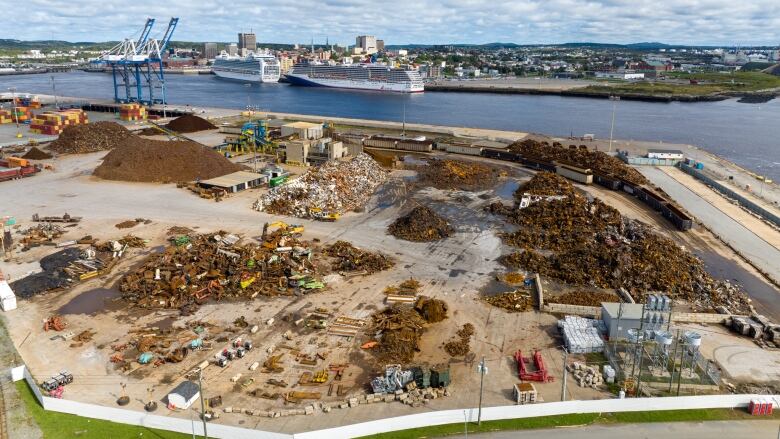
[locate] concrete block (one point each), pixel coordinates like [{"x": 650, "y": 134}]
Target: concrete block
[
  {"x": 353, "y": 402},
  {"x": 228, "y": 409},
  {"x": 343, "y": 405},
  {"x": 309, "y": 410},
  {"x": 389, "y": 398},
  {"x": 399, "y": 391}
]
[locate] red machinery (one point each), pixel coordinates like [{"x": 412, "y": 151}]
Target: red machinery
[{"x": 540, "y": 374}]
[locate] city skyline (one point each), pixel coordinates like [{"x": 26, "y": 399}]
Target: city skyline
[{"x": 696, "y": 22}]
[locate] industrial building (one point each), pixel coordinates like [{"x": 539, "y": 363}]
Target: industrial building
[
  {"x": 653, "y": 315},
  {"x": 235, "y": 182},
  {"x": 304, "y": 130},
  {"x": 673, "y": 154},
  {"x": 314, "y": 152}
]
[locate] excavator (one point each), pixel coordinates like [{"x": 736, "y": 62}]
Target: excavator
[
  {"x": 321, "y": 215},
  {"x": 292, "y": 230}
]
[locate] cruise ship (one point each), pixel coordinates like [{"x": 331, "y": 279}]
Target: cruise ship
[
  {"x": 375, "y": 77},
  {"x": 255, "y": 67}
]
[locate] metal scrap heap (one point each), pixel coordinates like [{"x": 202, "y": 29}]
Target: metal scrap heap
[
  {"x": 198, "y": 268},
  {"x": 583, "y": 158},
  {"x": 456, "y": 174},
  {"x": 590, "y": 244},
  {"x": 337, "y": 187},
  {"x": 421, "y": 224},
  {"x": 352, "y": 259},
  {"x": 401, "y": 327}
]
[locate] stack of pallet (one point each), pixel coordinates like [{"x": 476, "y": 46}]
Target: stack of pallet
[
  {"x": 52, "y": 123},
  {"x": 132, "y": 111}
]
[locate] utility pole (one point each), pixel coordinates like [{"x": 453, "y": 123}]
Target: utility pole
[
  {"x": 679, "y": 377},
  {"x": 614, "y": 100},
  {"x": 482, "y": 371},
  {"x": 674, "y": 361},
  {"x": 639, "y": 372},
  {"x": 617, "y": 327},
  {"x": 466, "y": 424},
  {"x": 565, "y": 373},
  {"x": 202, "y": 403}
]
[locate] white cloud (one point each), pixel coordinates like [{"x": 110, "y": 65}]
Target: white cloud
[{"x": 716, "y": 22}]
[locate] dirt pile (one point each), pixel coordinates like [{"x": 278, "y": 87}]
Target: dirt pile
[
  {"x": 36, "y": 154},
  {"x": 460, "y": 346},
  {"x": 516, "y": 301},
  {"x": 195, "y": 269},
  {"x": 545, "y": 183},
  {"x": 583, "y": 298},
  {"x": 432, "y": 310},
  {"x": 146, "y": 160},
  {"x": 349, "y": 258},
  {"x": 189, "y": 124},
  {"x": 336, "y": 187},
  {"x": 92, "y": 137},
  {"x": 583, "y": 158},
  {"x": 455, "y": 174},
  {"x": 421, "y": 224},
  {"x": 590, "y": 244}
]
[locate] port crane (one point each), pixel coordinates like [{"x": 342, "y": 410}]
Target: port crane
[{"x": 137, "y": 65}]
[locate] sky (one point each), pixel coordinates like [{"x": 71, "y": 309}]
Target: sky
[{"x": 689, "y": 22}]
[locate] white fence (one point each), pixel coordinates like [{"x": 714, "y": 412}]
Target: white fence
[{"x": 431, "y": 418}]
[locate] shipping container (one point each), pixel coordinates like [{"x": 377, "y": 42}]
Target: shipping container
[{"x": 608, "y": 181}]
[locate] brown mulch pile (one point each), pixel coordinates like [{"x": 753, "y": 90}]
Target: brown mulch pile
[
  {"x": 421, "y": 224},
  {"x": 189, "y": 124},
  {"x": 583, "y": 158},
  {"x": 139, "y": 159},
  {"x": 36, "y": 154},
  {"x": 583, "y": 298},
  {"x": 91, "y": 137},
  {"x": 350, "y": 258},
  {"x": 456, "y": 174}
]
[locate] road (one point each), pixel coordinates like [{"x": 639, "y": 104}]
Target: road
[
  {"x": 674, "y": 430},
  {"x": 743, "y": 238}
]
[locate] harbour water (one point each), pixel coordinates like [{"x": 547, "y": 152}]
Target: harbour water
[{"x": 746, "y": 134}]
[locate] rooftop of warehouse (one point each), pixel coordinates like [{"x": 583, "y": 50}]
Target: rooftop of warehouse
[
  {"x": 303, "y": 125},
  {"x": 667, "y": 151},
  {"x": 233, "y": 179}
]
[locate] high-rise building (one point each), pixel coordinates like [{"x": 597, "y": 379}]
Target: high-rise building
[
  {"x": 247, "y": 41},
  {"x": 232, "y": 49},
  {"x": 380, "y": 45},
  {"x": 209, "y": 50},
  {"x": 366, "y": 44}
]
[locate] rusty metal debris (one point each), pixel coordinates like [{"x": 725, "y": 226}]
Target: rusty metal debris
[
  {"x": 352, "y": 259},
  {"x": 583, "y": 298},
  {"x": 336, "y": 187},
  {"x": 54, "y": 323},
  {"x": 516, "y": 301},
  {"x": 460, "y": 346},
  {"x": 132, "y": 223},
  {"x": 583, "y": 158},
  {"x": 409, "y": 287},
  {"x": 421, "y": 224},
  {"x": 401, "y": 327},
  {"x": 195, "y": 269},
  {"x": 456, "y": 174}
]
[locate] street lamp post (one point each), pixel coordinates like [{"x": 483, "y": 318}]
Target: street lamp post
[{"x": 482, "y": 369}]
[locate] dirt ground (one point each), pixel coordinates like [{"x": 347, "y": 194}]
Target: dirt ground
[{"x": 455, "y": 269}]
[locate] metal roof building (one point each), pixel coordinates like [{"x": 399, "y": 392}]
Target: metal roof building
[{"x": 235, "y": 182}]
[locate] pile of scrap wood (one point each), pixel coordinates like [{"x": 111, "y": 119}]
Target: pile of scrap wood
[
  {"x": 456, "y": 174},
  {"x": 421, "y": 224},
  {"x": 460, "y": 345},
  {"x": 336, "y": 187},
  {"x": 583, "y": 158},
  {"x": 198, "y": 268},
  {"x": 352, "y": 259}
]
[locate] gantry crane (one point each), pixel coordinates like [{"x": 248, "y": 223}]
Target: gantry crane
[{"x": 137, "y": 66}]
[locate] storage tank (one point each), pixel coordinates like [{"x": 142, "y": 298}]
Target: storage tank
[
  {"x": 664, "y": 338},
  {"x": 651, "y": 301},
  {"x": 693, "y": 339},
  {"x": 634, "y": 335}
]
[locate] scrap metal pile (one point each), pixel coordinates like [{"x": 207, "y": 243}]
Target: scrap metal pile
[
  {"x": 583, "y": 298},
  {"x": 455, "y": 174},
  {"x": 400, "y": 327},
  {"x": 349, "y": 258},
  {"x": 198, "y": 268},
  {"x": 459, "y": 346},
  {"x": 583, "y": 158},
  {"x": 421, "y": 224},
  {"x": 336, "y": 187},
  {"x": 514, "y": 301},
  {"x": 36, "y": 154},
  {"x": 591, "y": 244},
  {"x": 189, "y": 124},
  {"x": 545, "y": 183},
  {"x": 93, "y": 137}
]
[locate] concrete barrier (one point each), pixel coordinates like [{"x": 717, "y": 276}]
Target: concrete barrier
[
  {"x": 698, "y": 317},
  {"x": 575, "y": 310}
]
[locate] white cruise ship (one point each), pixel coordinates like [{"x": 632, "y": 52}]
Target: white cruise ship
[
  {"x": 255, "y": 67},
  {"x": 375, "y": 77}
]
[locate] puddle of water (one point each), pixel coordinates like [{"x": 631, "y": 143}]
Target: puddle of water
[
  {"x": 765, "y": 296},
  {"x": 495, "y": 287},
  {"x": 507, "y": 189},
  {"x": 412, "y": 160},
  {"x": 93, "y": 301},
  {"x": 165, "y": 323}
]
